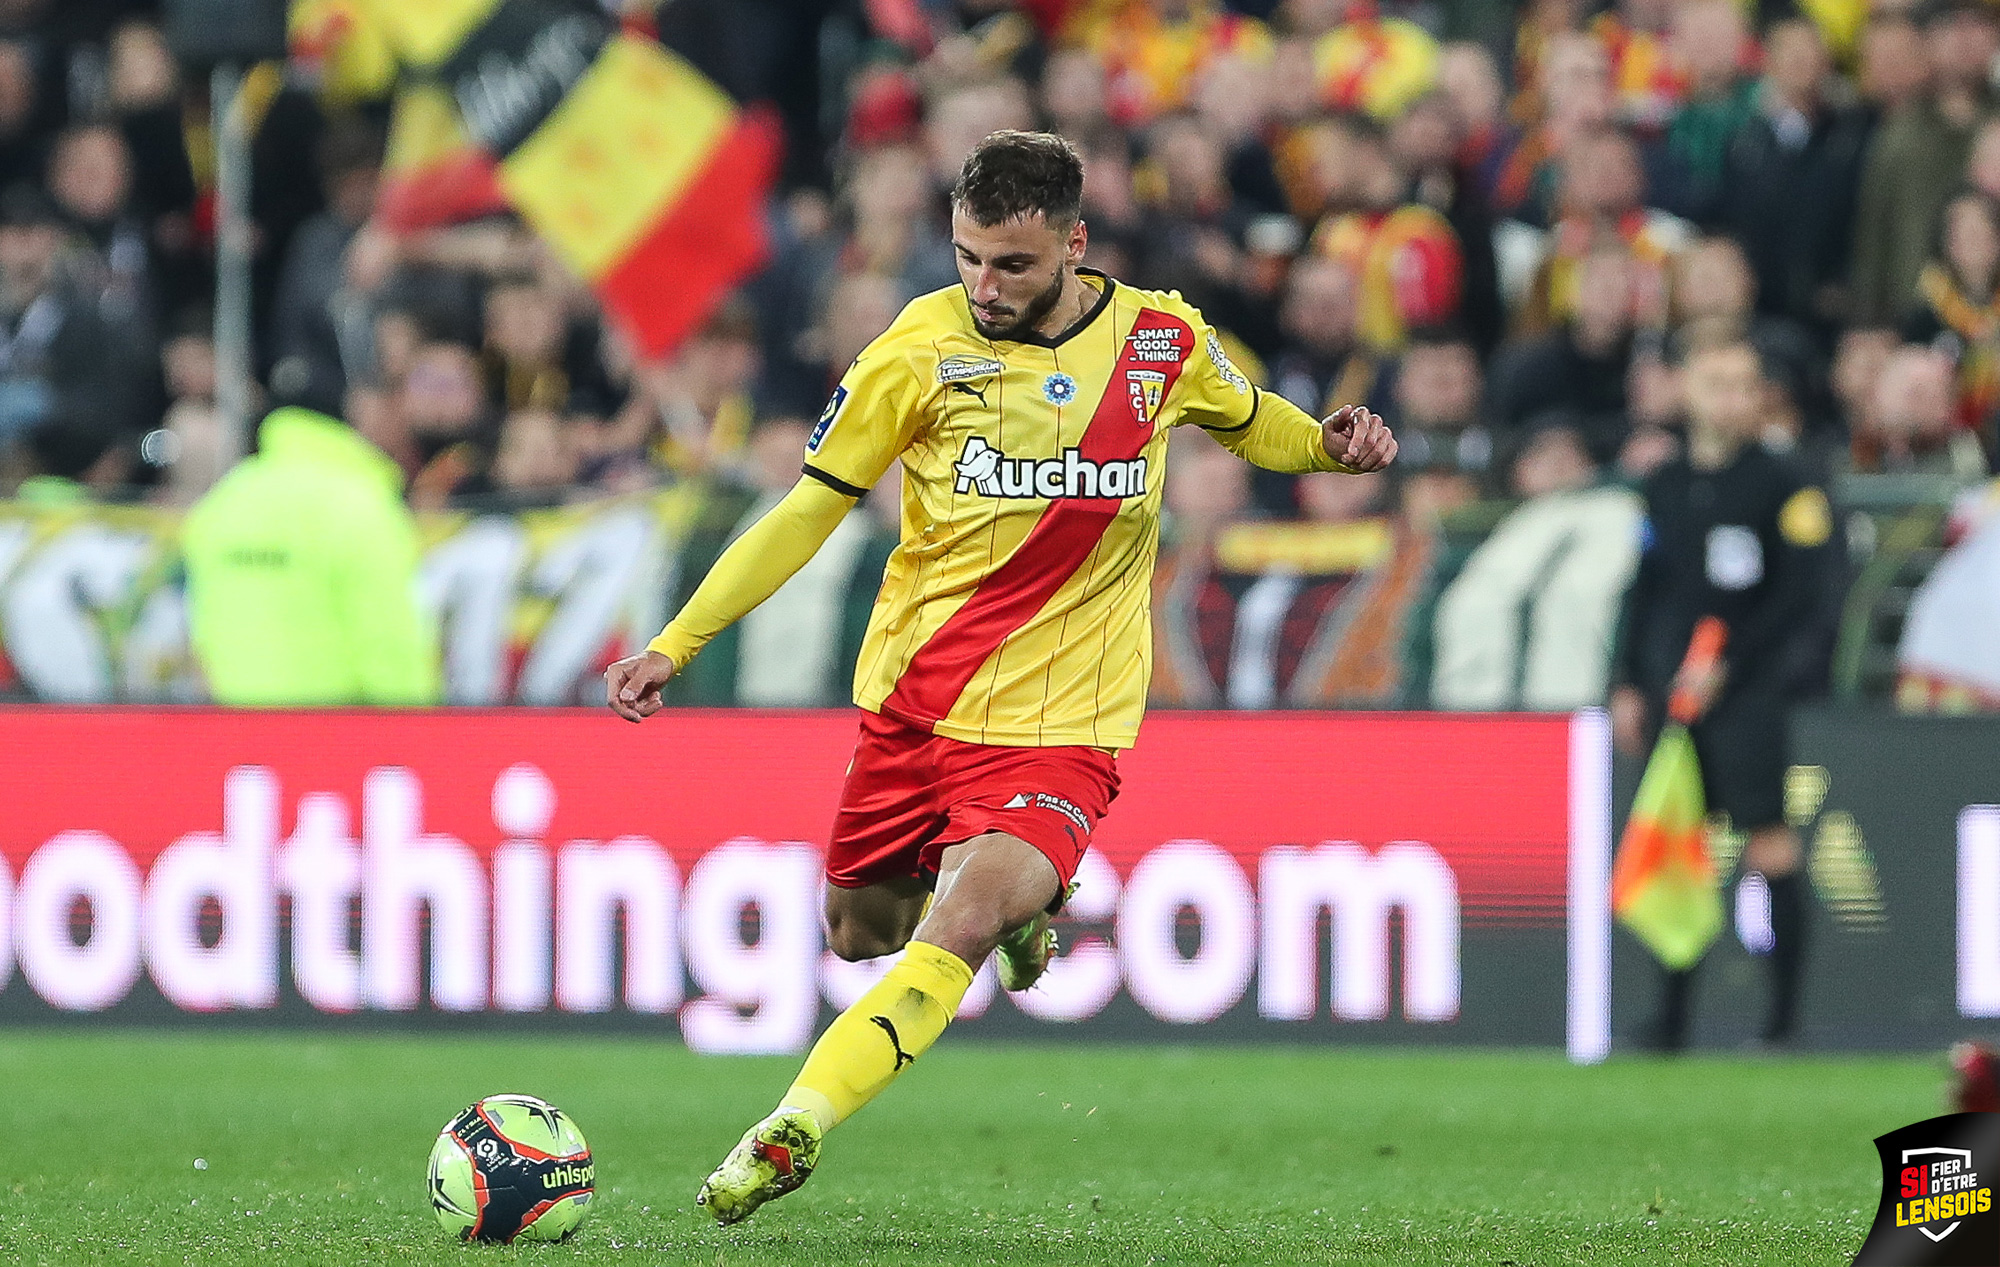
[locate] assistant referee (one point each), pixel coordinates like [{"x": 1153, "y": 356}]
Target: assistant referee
[{"x": 1732, "y": 531}]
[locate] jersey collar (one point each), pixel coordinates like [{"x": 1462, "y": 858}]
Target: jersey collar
[{"x": 1081, "y": 323}]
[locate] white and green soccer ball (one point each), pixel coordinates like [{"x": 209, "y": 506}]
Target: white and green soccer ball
[{"x": 511, "y": 1167}]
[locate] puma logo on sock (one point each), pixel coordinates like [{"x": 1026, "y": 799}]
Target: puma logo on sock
[{"x": 902, "y": 1057}]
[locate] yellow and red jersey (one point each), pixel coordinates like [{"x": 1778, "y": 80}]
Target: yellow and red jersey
[{"x": 1016, "y": 610}]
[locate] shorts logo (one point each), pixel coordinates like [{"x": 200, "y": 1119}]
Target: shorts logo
[
  {"x": 827, "y": 417},
  {"x": 960, "y": 369},
  {"x": 1043, "y": 800},
  {"x": 991, "y": 473},
  {"x": 1145, "y": 388},
  {"x": 1059, "y": 389}
]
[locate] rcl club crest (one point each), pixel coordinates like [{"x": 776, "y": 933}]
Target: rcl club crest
[
  {"x": 1937, "y": 1207},
  {"x": 1145, "y": 388}
]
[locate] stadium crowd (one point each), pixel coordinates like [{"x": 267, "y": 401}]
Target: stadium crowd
[{"x": 1497, "y": 227}]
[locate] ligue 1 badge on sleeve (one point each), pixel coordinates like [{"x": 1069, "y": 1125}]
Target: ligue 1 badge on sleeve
[{"x": 1937, "y": 1195}]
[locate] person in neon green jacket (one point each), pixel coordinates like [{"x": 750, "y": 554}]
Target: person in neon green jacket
[{"x": 302, "y": 567}]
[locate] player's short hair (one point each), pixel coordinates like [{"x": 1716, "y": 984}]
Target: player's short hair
[{"x": 1012, "y": 174}]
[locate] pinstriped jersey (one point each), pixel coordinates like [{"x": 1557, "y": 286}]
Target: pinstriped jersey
[{"x": 1016, "y": 609}]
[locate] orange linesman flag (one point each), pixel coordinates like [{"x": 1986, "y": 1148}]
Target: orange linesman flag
[
  {"x": 1663, "y": 884},
  {"x": 644, "y": 177}
]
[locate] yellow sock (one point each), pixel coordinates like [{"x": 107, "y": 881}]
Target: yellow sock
[{"x": 887, "y": 1028}]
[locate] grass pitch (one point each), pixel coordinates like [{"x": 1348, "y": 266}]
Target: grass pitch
[{"x": 314, "y": 1149}]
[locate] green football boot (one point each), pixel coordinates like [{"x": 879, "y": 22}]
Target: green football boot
[
  {"x": 774, "y": 1157},
  {"x": 1024, "y": 954}
]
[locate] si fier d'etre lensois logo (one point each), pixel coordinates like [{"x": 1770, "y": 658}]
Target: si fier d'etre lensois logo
[{"x": 1937, "y": 1195}]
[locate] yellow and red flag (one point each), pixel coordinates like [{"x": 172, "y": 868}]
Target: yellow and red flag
[
  {"x": 1663, "y": 885},
  {"x": 1663, "y": 882},
  {"x": 644, "y": 177}
]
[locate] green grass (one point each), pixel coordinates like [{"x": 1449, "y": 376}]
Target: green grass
[{"x": 315, "y": 1151}]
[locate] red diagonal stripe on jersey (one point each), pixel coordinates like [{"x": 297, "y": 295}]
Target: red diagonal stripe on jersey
[{"x": 1054, "y": 549}]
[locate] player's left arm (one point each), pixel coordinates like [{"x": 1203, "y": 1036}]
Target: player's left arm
[
  {"x": 1282, "y": 437},
  {"x": 1269, "y": 431}
]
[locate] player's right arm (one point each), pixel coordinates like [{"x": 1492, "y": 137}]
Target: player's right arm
[{"x": 871, "y": 419}]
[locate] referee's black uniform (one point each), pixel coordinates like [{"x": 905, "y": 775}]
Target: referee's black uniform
[{"x": 1749, "y": 543}]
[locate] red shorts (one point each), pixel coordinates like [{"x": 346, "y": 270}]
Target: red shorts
[{"x": 910, "y": 793}]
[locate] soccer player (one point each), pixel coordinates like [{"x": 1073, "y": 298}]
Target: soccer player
[{"x": 1006, "y": 660}]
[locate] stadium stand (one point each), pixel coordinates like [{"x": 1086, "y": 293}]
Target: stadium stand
[{"x": 1494, "y": 227}]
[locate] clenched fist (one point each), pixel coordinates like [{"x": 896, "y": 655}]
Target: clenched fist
[
  {"x": 632, "y": 685},
  {"x": 1357, "y": 439}
]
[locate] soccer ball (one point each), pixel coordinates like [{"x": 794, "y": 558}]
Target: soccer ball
[{"x": 511, "y": 1166}]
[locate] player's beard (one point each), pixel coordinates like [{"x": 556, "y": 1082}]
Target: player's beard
[{"x": 1031, "y": 316}]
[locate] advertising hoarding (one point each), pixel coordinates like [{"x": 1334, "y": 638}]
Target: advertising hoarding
[{"x": 1336, "y": 877}]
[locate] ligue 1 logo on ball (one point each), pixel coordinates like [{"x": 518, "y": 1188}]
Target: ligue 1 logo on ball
[{"x": 1937, "y": 1195}]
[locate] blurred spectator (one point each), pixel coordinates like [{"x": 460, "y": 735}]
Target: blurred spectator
[
  {"x": 1712, "y": 50},
  {"x": 535, "y": 355},
  {"x": 1602, "y": 187},
  {"x": 1234, "y": 102},
  {"x": 1322, "y": 364},
  {"x": 1189, "y": 230},
  {"x": 143, "y": 95},
  {"x": 1918, "y": 158},
  {"x": 888, "y": 221},
  {"x": 1790, "y": 180},
  {"x": 315, "y": 313},
  {"x": 90, "y": 177},
  {"x": 56, "y": 347},
  {"x": 1363, "y": 59},
  {"x": 1857, "y": 367},
  {"x": 446, "y": 423},
  {"x": 1154, "y": 50},
  {"x": 964, "y": 115},
  {"x": 1470, "y": 80},
  {"x": 1578, "y": 370},
  {"x": 1530, "y": 620},
  {"x": 1434, "y": 406},
  {"x": 1427, "y": 144},
  {"x": 1713, "y": 285},
  {"x": 189, "y": 442},
  {"x": 536, "y": 462},
  {"x": 1894, "y": 71},
  {"x": 1575, "y": 99},
  {"x": 1649, "y": 86},
  {"x": 1075, "y": 96},
  {"x": 24, "y": 113},
  {"x": 1958, "y": 309},
  {"x": 302, "y": 569},
  {"x": 1912, "y": 425},
  {"x": 702, "y": 395},
  {"x": 1406, "y": 259}
]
